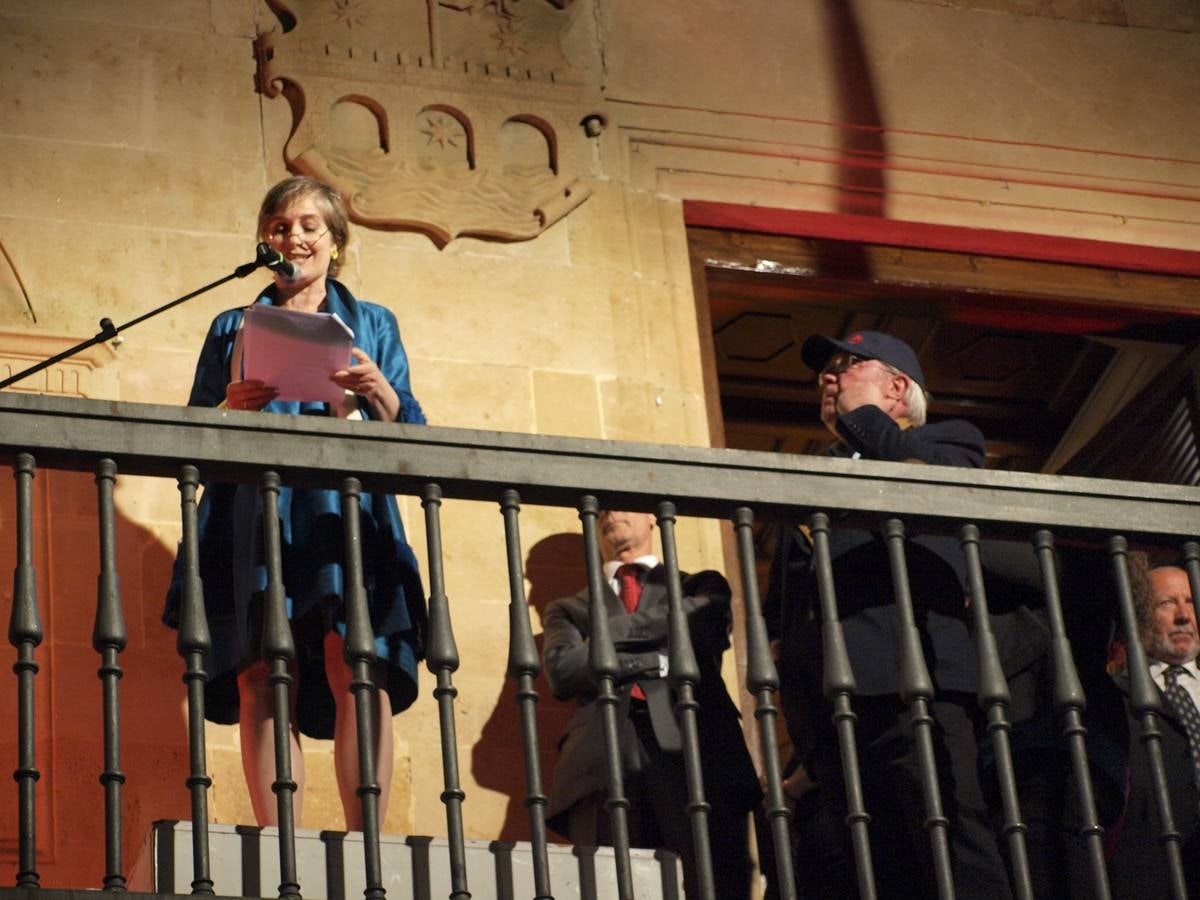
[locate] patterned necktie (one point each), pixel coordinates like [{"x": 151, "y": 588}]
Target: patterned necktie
[
  {"x": 629, "y": 584},
  {"x": 1185, "y": 708}
]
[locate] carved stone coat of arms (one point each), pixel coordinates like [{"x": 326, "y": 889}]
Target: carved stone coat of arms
[{"x": 446, "y": 117}]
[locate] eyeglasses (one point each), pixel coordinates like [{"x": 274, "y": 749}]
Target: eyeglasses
[
  {"x": 308, "y": 234},
  {"x": 840, "y": 362}
]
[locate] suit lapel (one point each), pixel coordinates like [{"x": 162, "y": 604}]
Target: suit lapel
[
  {"x": 654, "y": 591},
  {"x": 1167, "y": 711},
  {"x": 612, "y": 603}
]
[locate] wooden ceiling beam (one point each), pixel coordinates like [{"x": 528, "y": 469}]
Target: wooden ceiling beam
[{"x": 780, "y": 262}]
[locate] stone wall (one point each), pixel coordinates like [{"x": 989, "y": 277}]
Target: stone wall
[{"x": 138, "y": 137}]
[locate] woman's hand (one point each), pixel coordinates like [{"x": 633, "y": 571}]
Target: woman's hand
[
  {"x": 364, "y": 379},
  {"x": 248, "y": 395},
  {"x": 796, "y": 785}
]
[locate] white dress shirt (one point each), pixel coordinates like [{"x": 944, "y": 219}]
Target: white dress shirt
[
  {"x": 1190, "y": 682},
  {"x": 610, "y": 569}
]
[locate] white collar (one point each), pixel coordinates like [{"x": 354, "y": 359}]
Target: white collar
[
  {"x": 646, "y": 562},
  {"x": 1157, "y": 667}
]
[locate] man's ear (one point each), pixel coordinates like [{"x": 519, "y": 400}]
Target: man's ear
[{"x": 896, "y": 390}]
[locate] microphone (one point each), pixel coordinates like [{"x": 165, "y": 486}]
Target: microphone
[{"x": 276, "y": 262}]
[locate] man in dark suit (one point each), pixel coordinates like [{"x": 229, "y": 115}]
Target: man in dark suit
[
  {"x": 635, "y": 596},
  {"x": 1137, "y": 864},
  {"x": 874, "y": 402}
]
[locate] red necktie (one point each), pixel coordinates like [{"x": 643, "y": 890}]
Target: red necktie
[{"x": 629, "y": 584}]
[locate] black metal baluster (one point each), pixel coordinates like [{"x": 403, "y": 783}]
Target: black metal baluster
[
  {"x": 1070, "y": 703},
  {"x": 602, "y": 658},
  {"x": 523, "y": 667},
  {"x": 442, "y": 660},
  {"x": 193, "y": 643},
  {"x": 108, "y": 639},
  {"x": 683, "y": 676},
  {"x": 916, "y": 689},
  {"x": 279, "y": 651},
  {"x": 839, "y": 687},
  {"x": 359, "y": 652},
  {"x": 1147, "y": 706},
  {"x": 994, "y": 700},
  {"x": 25, "y": 633},
  {"x": 762, "y": 680},
  {"x": 1191, "y": 565}
]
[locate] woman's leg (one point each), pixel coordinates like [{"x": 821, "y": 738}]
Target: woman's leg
[
  {"x": 345, "y": 736},
  {"x": 256, "y": 727}
]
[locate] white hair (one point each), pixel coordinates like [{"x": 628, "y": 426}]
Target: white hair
[{"x": 917, "y": 402}]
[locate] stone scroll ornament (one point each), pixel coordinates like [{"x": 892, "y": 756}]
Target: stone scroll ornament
[
  {"x": 15, "y": 303},
  {"x": 446, "y": 117}
]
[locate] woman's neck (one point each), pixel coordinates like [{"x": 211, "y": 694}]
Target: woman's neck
[{"x": 305, "y": 298}]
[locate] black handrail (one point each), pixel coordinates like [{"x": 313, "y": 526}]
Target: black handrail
[{"x": 438, "y": 463}]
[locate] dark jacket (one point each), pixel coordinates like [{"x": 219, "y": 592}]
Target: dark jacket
[
  {"x": 1137, "y": 863},
  {"x": 862, "y": 579},
  {"x": 870, "y": 432},
  {"x": 640, "y": 638},
  {"x": 888, "y": 763}
]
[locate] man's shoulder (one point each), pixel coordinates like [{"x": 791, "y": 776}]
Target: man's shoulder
[
  {"x": 957, "y": 430},
  {"x": 580, "y": 596},
  {"x": 960, "y": 442},
  {"x": 708, "y": 581},
  {"x": 875, "y": 435},
  {"x": 705, "y": 581},
  {"x": 573, "y": 606}
]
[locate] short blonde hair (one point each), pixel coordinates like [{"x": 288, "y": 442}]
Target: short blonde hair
[{"x": 328, "y": 201}]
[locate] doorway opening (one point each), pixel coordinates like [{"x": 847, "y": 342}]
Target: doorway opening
[{"x": 1067, "y": 366}]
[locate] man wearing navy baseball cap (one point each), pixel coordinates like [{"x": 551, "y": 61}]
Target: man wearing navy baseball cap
[{"x": 874, "y": 402}]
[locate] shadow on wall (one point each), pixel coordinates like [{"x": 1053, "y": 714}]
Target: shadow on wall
[
  {"x": 68, "y": 720},
  {"x": 554, "y": 567},
  {"x": 862, "y": 168}
]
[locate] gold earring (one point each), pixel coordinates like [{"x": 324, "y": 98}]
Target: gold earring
[{"x": 333, "y": 253}]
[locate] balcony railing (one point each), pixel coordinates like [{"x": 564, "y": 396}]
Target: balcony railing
[{"x": 114, "y": 440}]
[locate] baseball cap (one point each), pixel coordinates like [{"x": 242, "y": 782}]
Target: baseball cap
[{"x": 819, "y": 348}]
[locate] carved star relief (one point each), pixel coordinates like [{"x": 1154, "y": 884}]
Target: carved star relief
[
  {"x": 352, "y": 12},
  {"x": 508, "y": 38},
  {"x": 442, "y": 132}
]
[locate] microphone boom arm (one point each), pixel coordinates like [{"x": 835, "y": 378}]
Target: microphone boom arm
[{"x": 108, "y": 331}]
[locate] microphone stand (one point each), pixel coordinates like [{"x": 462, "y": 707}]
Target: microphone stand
[{"x": 108, "y": 331}]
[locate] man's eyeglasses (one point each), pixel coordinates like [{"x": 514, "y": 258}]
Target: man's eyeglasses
[{"x": 840, "y": 362}]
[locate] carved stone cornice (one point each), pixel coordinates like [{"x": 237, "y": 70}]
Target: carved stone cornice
[{"x": 79, "y": 376}]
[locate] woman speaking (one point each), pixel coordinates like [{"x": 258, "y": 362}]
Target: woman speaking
[{"x": 305, "y": 221}]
